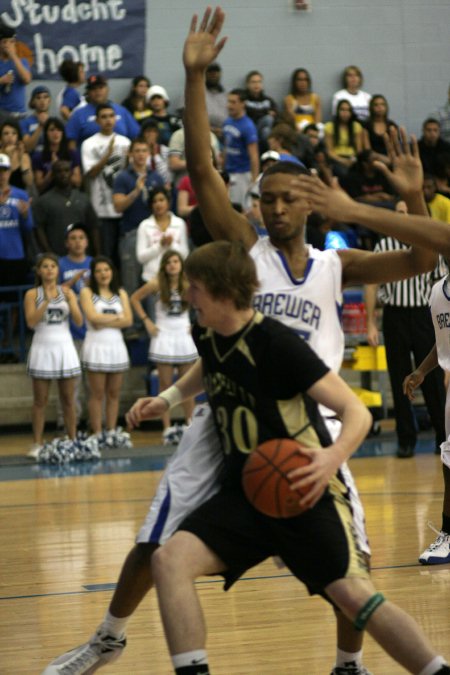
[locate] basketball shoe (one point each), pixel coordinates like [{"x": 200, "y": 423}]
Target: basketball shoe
[
  {"x": 99, "y": 651},
  {"x": 437, "y": 553},
  {"x": 34, "y": 450},
  {"x": 350, "y": 668},
  {"x": 171, "y": 436}
]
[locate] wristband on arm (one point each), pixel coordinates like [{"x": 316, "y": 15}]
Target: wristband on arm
[{"x": 172, "y": 396}]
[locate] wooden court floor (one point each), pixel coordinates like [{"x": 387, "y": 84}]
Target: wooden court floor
[{"x": 63, "y": 540}]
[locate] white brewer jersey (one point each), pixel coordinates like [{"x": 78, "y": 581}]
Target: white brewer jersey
[
  {"x": 440, "y": 313},
  {"x": 311, "y": 306}
]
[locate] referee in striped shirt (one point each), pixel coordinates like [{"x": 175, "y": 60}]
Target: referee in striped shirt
[{"x": 408, "y": 329}]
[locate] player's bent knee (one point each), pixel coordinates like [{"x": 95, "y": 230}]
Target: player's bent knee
[
  {"x": 165, "y": 562},
  {"x": 367, "y": 610}
]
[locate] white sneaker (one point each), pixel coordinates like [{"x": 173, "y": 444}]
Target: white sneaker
[
  {"x": 100, "y": 650},
  {"x": 350, "y": 668},
  {"x": 171, "y": 436},
  {"x": 109, "y": 441},
  {"x": 34, "y": 450},
  {"x": 438, "y": 553},
  {"x": 180, "y": 429}
]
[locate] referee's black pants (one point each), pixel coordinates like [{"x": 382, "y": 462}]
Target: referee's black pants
[{"x": 410, "y": 330}]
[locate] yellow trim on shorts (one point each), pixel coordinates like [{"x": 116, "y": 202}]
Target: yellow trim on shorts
[{"x": 357, "y": 565}]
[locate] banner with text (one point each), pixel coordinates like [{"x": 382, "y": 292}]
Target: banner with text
[{"x": 108, "y": 36}]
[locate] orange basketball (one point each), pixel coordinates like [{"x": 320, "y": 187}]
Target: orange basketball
[{"x": 265, "y": 481}]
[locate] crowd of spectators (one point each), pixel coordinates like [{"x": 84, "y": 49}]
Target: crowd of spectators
[{"x": 89, "y": 159}]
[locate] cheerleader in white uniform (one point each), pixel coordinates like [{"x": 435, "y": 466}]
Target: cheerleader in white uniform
[
  {"x": 104, "y": 354},
  {"x": 52, "y": 354},
  {"x": 172, "y": 346}
]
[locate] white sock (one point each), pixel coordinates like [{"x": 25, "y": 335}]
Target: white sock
[
  {"x": 195, "y": 658},
  {"x": 434, "y": 666},
  {"x": 113, "y": 625},
  {"x": 346, "y": 657}
]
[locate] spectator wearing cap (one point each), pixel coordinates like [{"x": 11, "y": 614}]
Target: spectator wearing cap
[
  {"x": 240, "y": 139},
  {"x": 83, "y": 121},
  {"x": 216, "y": 99},
  {"x": 159, "y": 102},
  {"x": 16, "y": 225},
  {"x": 32, "y": 126},
  {"x": 73, "y": 73},
  {"x": 266, "y": 160},
  {"x": 59, "y": 207},
  {"x": 14, "y": 75}
]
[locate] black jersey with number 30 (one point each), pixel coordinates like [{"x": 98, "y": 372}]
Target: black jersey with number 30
[{"x": 256, "y": 381}]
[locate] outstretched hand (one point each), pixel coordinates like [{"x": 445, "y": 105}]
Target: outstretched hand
[
  {"x": 147, "y": 408},
  {"x": 202, "y": 46},
  {"x": 406, "y": 174},
  {"x": 331, "y": 202}
]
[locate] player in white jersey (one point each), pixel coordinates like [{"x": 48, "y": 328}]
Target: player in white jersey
[
  {"x": 284, "y": 215},
  {"x": 312, "y": 305},
  {"x": 438, "y": 552}
]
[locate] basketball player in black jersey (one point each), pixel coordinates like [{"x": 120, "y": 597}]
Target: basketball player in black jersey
[{"x": 260, "y": 380}]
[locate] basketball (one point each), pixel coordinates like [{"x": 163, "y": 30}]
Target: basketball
[{"x": 265, "y": 481}]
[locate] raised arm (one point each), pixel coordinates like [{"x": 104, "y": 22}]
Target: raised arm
[
  {"x": 201, "y": 48},
  {"x": 416, "y": 230},
  {"x": 406, "y": 174},
  {"x": 370, "y": 299},
  {"x": 406, "y": 177}
]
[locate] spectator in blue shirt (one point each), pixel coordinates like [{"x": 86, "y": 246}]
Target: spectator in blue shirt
[
  {"x": 130, "y": 198},
  {"x": 14, "y": 74},
  {"x": 240, "y": 139},
  {"x": 16, "y": 224},
  {"x": 72, "y": 72},
  {"x": 74, "y": 268},
  {"x": 83, "y": 123},
  {"x": 74, "y": 272},
  {"x": 32, "y": 126}
]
